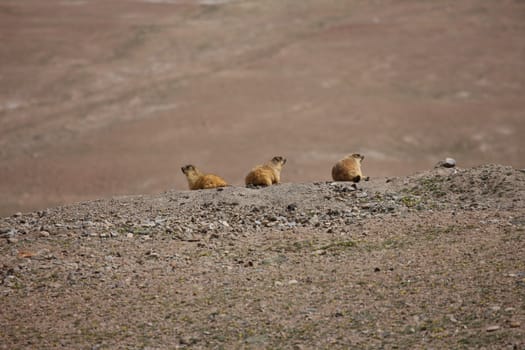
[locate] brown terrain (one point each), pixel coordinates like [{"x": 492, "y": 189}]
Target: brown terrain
[
  {"x": 431, "y": 261},
  {"x": 102, "y": 98},
  {"x": 103, "y": 247}
]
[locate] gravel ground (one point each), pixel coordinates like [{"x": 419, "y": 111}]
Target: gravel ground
[{"x": 433, "y": 260}]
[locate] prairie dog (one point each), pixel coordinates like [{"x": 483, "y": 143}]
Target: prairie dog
[
  {"x": 348, "y": 168},
  {"x": 199, "y": 181},
  {"x": 266, "y": 174}
]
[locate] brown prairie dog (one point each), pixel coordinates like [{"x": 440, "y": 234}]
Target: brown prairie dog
[
  {"x": 199, "y": 181},
  {"x": 349, "y": 168},
  {"x": 266, "y": 174}
]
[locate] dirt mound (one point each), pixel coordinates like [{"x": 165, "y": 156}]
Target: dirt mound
[{"x": 431, "y": 260}]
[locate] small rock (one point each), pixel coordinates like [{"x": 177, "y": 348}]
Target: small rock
[
  {"x": 492, "y": 328},
  {"x": 10, "y": 281},
  {"x": 447, "y": 163},
  {"x": 44, "y": 234},
  {"x": 12, "y": 240},
  {"x": 25, "y": 254},
  {"x": 159, "y": 221},
  {"x": 152, "y": 255},
  {"x": 391, "y": 207},
  {"x": 10, "y": 232},
  {"x": 292, "y": 282},
  {"x": 129, "y": 235},
  {"x": 187, "y": 340},
  {"x": 270, "y": 224},
  {"x": 55, "y": 285},
  {"x": 514, "y": 324},
  {"x": 291, "y": 207},
  {"x": 278, "y": 283},
  {"x": 314, "y": 220},
  {"x": 149, "y": 223},
  {"x": 256, "y": 339}
]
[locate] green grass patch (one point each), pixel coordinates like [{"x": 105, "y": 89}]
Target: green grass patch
[{"x": 338, "y": 246}]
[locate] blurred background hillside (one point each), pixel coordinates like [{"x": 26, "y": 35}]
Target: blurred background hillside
[{"x": 101, "y": 98}]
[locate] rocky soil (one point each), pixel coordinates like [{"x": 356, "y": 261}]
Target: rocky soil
[{"x": 432, "y": 260}]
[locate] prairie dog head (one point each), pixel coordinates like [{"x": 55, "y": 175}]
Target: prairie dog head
[
  {"x": 278, "y": 161},
  {"x": 190, "y": 170},
  {"x": 358, "y": 157}
]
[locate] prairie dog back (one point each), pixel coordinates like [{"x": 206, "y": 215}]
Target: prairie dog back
[
  {"x": 266, "y": 174},
  {"x": 348, "y": 168}
]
